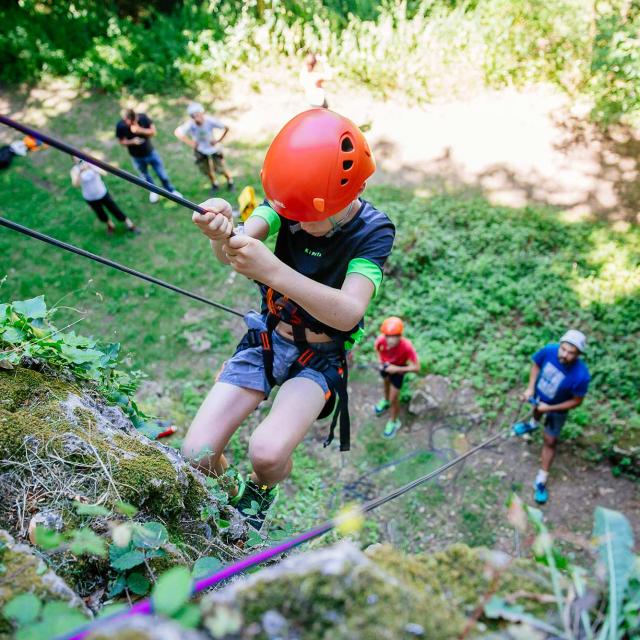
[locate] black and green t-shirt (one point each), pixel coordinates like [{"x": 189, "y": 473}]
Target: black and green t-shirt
[{"x": 360, "y": 246}]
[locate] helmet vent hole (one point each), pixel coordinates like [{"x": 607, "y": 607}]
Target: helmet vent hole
[
  {"x": 347, "y": 164},
  {"x": 347, "y": 144},
  {"x": 344, "y": 181}
]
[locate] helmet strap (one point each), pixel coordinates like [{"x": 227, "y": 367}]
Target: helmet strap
[{"x": 336, "y": 225}]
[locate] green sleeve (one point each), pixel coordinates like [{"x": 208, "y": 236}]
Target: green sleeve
[
  {"x": 269, "y": 216},
  {"x": 367, "y": 269}
]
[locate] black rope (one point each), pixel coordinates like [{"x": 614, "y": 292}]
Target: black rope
[
  {"x": 115, "y": 265},
  {"x": 125, "y": 175}
]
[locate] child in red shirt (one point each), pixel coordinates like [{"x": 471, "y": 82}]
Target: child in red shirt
[{"x": 397, "y": 357}]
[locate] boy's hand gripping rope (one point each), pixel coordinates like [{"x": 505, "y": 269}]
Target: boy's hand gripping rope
[{"x": 125, "y": 175}]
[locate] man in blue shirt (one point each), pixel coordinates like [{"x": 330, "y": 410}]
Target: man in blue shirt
[{"x": 558, "y": 382}]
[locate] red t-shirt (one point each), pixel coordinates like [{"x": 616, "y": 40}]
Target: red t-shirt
[{"x": 399, "y": 355}]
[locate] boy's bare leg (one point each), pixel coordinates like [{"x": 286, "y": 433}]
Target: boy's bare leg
[
  {"x": 387, "y": 387},
  {"x": 394, "y": 399},
  {"x": 297, "y": 405},
  {"x": 221, "y": 413}
]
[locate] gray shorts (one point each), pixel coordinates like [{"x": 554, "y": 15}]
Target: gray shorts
[
  {"x": 246, "y": 368},
  {"x": 554, "y": 422}
]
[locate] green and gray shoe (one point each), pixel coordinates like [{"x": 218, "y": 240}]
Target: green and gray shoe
[
  {"x": 255, "y": 503},
  {"x": 381, "y": 407},
  {"x": 391, "y": 428}
]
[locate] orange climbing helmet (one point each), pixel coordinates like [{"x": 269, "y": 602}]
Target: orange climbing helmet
[
  {"x": 392, "y": 326},
  {"x": 316, "y": 166}
]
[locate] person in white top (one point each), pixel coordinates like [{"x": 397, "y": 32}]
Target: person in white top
[
  {"x": 94, "y": 191},
  {"x": 202, "y": 133},
  {"x": 312, "y": 80}
]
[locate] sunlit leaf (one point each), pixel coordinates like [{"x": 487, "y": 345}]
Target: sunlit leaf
[{"x": 172, "y": 590}]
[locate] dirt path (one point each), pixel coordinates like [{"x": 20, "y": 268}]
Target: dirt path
[
  {"x": 515, "y": 147},
  {"x": 468, "y": 503}
]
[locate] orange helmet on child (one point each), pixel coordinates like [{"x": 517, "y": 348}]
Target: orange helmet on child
[
  {"x": 392, "y": 326},
  {"x": 316, "y": 166}
]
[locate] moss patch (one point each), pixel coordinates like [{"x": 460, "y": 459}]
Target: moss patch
[{"x": 341, "y": 593}]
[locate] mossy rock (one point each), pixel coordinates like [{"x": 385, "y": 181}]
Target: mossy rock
[
  {"x": 60, "y": 442},
  {"x": 39, "y": 412},
  {"x": 342, "y": 593},
  {"x": 24, "y": 572}
]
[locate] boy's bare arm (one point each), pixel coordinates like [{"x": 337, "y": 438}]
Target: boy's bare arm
[{"x": 340, "y": 308}]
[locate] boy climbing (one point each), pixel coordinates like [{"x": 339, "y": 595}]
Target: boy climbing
[
  {"x": 199, "y": 133},
  {"x": 558, "y": 382},
  {"x": 330, "y": 249},
  {"x": 397, "y": 358}
]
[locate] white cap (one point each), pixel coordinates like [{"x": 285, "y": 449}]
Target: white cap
[
  {"x": 576, "y": 338},
  {"x": 194, "y": 107}
]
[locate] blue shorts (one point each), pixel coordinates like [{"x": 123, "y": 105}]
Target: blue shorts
[
  {"x": 246, "y": 368},
  {"x": 553, "y": 423}
]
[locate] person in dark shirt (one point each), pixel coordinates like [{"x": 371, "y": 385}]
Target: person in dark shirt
[
  {"x": 558, "y": 382},
  {"x": 331, "y": 246},
  {"x": 134, "y": 132}
]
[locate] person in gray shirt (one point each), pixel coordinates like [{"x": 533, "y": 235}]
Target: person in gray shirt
[
  {"x": 94, "y": 191},
  {"x": 204, "y": 134}
]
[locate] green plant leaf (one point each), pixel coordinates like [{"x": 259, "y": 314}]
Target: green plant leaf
[
  {"x": 13, "y": 335},
  {"x": 48, "y": 538},
  {"x": 188, "y": 616},
  {"x": 86, "y": 541},
  {"x": 254, "y": 538},
  {"x": 615, "y": 543},
  {"x": 80, "y": 356},
  {"x": 204, "y": 566},
  {"x": 32, "y": 308},
  {"x": 126, "y": 509},
  {"x": 118, "y": 586},
  {"x": 150, "y": 535},
  {"x": 83, "y": 509},
  {"x": 22, "y": 609},
  {"x": 138, "y": 583},
  {"x": 127, "y": 560},
  {"x": 172, "y": 591},
  {"x": 498, "y": 608}
]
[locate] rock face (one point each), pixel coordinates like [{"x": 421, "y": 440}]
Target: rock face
[
  {"x": 60, "y": 443},
  {"x": 343, "y": 593},
  {"x": 24, "y": 572},
  {"x": 145, "y": 628},
  {"x": 41, "y": 416}
]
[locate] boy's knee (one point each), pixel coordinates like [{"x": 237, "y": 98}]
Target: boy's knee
[{"x": 264, "y": 456}]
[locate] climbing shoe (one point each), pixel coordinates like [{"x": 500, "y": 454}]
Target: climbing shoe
[
  {"x": 233, "y": 479},
  {"x": 541, "y": 495},
  {"x": 381, "y": 407},
  {"x": 522, "y": 428},
  {"x": 256, "y": 502},
  {"x": 391, "y": 428}
]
